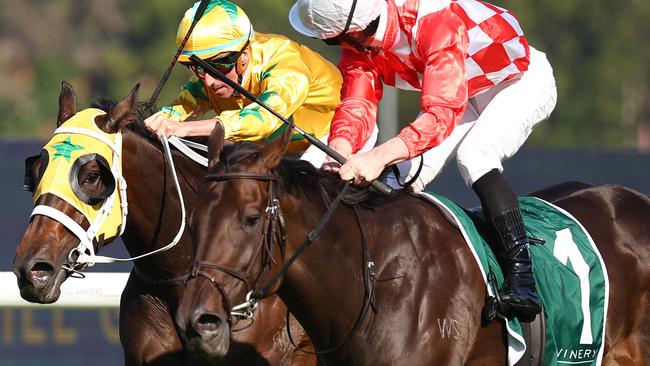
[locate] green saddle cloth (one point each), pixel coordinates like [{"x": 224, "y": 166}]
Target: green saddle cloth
[{"x": 571, "y": 280}]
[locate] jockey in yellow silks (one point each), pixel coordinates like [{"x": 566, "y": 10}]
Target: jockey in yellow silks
[{"x": 293, "y": 80}]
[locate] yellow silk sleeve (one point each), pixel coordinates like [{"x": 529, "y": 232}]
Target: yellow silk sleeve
[
  {"x": 284, "y": 85},
  {"x": 191, "y": 102}
]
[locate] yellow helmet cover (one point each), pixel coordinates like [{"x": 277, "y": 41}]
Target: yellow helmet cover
[
  {"x": 66, "y": 150},
  {"x": 224, "y": 27}
]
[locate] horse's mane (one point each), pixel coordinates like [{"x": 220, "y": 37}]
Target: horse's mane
[{"x": 300, "y": 177}]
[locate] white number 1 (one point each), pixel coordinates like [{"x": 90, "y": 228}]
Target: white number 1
[{"x": 566, "y": 250}]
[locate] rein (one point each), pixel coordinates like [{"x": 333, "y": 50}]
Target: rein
[{"x": 246, "y": 310}]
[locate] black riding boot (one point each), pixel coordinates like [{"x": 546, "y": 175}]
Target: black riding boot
[{"x": 518, "y": 293}]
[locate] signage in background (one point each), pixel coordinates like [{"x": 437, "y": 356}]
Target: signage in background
[{"x": 43, "y": 337}]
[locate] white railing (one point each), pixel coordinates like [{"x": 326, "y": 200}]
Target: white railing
[{"x": 98, "y": 289}]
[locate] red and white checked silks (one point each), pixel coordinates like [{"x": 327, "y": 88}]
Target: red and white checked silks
[{"x": 449, "y": 49}]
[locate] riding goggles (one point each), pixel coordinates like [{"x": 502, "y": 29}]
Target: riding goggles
[{"x": 223, "y": 64}]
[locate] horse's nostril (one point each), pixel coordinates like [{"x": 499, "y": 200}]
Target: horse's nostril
[
  {"x": 208, "y": 322},
  {"x": 41, "y": 270}
]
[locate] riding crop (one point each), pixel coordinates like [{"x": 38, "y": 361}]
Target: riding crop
[
  {"x": 379, "y": 186},
  {"x": 197, "y": 16}
]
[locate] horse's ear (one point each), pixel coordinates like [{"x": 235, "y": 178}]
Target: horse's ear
[
  {"x": 215, "y": 144},
  {"x": 275, "y": 150},
  {"x": 67, "y": 103},
  {"x": 121, "y": 115}
]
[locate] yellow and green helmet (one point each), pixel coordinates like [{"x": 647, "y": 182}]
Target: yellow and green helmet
[{"x": 224, "y": 27}]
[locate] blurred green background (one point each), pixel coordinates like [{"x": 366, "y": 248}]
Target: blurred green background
[{"x": 599, "y": 50}]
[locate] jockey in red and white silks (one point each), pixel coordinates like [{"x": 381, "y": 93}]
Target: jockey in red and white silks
[
  {"x": 483, "y": 90},
  {"x": 460, "y": 54}
]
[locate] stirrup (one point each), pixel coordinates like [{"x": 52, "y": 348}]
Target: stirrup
[
  {"x": 493, "y": 305},
  {"x": 535, "y": 241}
]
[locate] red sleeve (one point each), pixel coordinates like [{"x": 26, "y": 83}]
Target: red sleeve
[
  {"x": 355, "y": 119},
  {"x": 442, "y": 44}
]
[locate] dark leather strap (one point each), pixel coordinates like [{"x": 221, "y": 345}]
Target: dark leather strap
[{"x": 217, "y": 177}]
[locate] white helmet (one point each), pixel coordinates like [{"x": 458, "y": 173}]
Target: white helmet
[{"x": 329, "y": 18}]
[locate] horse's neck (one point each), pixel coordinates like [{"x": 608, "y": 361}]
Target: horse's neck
[
  {"x": 313, "y": 284},
  {"x": 154, "y": 207}
]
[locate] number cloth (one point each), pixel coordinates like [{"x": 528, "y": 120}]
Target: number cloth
[{"x": 571, "y": 280}]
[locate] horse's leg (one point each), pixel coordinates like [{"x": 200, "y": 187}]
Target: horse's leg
[
  {"x": 147, "y": 331},
  {"x": 304, "y": 343}
]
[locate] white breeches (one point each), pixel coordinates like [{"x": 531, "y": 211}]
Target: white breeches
[
  {"x": 317, "y": 157},
  {"x": 495, "y": 125}
]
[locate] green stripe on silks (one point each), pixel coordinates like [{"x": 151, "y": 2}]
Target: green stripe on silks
[
  {"x": 266, "y": 95},
  {"x": 571, "y": 279},
  {"x": 280, "y": 130},
  {"x": 254, "y": 108},
  {"x": 251, "y": 109},
  {"x": 229, "y": 7},
  {"x": 196, "y": 89},
  {"x": 266, "y": 73},
  {"x": 171, "y": 111}
]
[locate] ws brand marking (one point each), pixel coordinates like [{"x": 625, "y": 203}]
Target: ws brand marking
[{"x": 448, "y": 328}]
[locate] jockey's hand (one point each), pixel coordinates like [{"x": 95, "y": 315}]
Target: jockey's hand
[
  {"x": 163, "y": 126},
  {"x": 342, "y": 147},
  {"x": 365, "y": 167}
]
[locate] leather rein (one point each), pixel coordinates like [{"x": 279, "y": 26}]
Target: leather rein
[{"x": 275, "y": 228}]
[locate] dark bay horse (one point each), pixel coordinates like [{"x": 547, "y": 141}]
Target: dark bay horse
[
  {"x": 426, "y": 274},
  {"x": 151, "y": 296}
]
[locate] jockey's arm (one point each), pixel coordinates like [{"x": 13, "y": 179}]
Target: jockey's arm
[
  {"x": 355, "y": 119},
  {"x": 284, "y": 88},
  {"x": 192, "y": 101},
  {"x": 443, "y": 101},
  {"x": 444, "y": 82}
]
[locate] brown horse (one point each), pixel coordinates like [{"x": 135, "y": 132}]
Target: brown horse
[
  {"x": 425, "y": 271},
  {"x": 151, "y": 296}
]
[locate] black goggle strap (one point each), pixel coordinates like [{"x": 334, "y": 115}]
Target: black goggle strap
[
  {"x": 337, "y": 39},
  {"x": 350, "y": 16}
]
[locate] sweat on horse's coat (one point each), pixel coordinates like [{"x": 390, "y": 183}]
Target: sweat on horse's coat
[{"x": 423, "y": 266}]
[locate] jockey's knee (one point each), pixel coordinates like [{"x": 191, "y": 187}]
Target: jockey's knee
[{"x": 474, "y": 163}]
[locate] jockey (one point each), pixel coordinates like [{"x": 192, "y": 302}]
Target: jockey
[
  {"x": 295, "y": 81},
  {"x": 483, "y": 90}
]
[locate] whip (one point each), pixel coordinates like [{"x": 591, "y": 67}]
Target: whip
[
  {"x": 379, "y": 186},
  {"x": 197, "y": 16}
]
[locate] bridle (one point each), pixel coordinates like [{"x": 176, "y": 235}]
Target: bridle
[
  {"x": 275, "y": 219},
  {"x": 274, "y": 227}
]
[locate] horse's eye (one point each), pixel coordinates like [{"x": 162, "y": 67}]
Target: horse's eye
[
  {"x": 252, "y": 220},
  {"x": 92, "y": 178}
]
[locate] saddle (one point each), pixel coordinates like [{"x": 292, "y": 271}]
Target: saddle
[{"x": 568, "y": 264}]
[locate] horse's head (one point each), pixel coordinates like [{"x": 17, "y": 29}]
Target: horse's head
[
  {"x": 234, "y": 225},
  {"x": 75, "y": 183}
]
